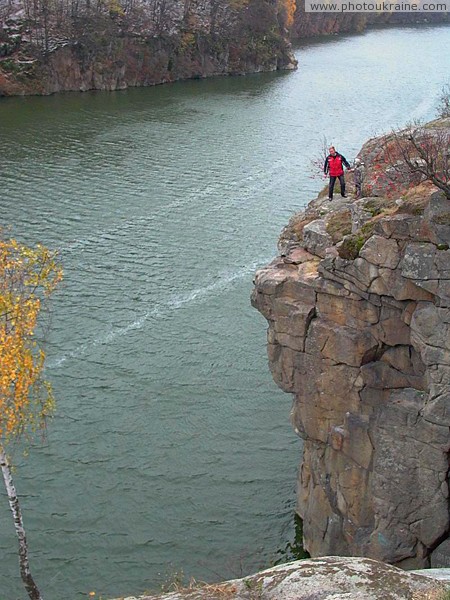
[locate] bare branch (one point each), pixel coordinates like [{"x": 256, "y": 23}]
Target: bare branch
[{"x": 421, "y": 153}]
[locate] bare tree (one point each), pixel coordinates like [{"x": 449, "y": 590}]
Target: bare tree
[
  {"x": 160, "y": 15},
  {"x": 187, "y": 9},
  {"x": 420, "y": 153},
  {"x": 444, "y": 102},
  {"x": 318, "y": 160}
]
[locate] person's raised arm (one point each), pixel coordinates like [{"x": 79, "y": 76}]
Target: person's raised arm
[{"x": 345, "y": 161}]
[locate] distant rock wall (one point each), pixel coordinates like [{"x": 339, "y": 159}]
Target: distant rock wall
[
  {"x": 363, "y": 344},
  {"x": 308, "y": 25}
]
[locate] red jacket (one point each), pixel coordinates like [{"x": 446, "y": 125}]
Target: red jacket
[{"x": 334, "y": 165}]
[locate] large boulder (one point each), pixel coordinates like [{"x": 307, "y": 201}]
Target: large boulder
[
  {"x": 316, "y": 239},
  {"x": 330, "y": 578}
]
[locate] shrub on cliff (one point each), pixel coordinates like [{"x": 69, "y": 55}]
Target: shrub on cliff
[{"x": 419, "y": 153}]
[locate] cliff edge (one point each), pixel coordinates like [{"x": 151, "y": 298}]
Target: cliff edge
[{"x": 359, "y": 332}]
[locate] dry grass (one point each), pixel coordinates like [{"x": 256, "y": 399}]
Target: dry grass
[
  {"x": 380, "y": 206},
  {"x": 416, "y": 199},
  {"x": 201, "y": 589},
  {"x": 219, "y": 590}
]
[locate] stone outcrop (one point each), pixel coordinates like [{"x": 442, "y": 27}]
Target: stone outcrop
[
  {"x": 359, "y": 333},
  {"x": 330, "y": 578}
]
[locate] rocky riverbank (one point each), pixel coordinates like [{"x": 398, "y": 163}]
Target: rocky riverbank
[
  {"x": 358, "y": 307},
  {"x": 114, "y": 44},
  {"x": 121, "y": 44}
]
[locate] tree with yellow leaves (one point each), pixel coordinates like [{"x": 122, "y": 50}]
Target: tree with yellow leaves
[
  {"x": 27, "y": 277},
  {"x": 288, "y": 9}
]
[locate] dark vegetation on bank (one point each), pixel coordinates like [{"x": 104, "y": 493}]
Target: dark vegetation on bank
[{"x": 48, "y": 46}]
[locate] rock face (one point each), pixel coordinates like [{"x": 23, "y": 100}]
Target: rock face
[
  {"x": 331, "y": 578},
  {"x": 363, "y": 344},
  {"x": 139, "y": 44}
]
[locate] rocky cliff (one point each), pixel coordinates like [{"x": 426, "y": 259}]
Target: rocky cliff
[
  {"x": 358, "y": 307},
  {"x": 46, "y": 48}
]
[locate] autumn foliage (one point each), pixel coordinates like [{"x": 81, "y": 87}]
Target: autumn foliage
[
  {"x": 288, "y": 8},
  {"x": 27, "y": 277}
]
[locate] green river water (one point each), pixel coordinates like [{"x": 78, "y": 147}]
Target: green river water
[{"x": 171, "y": 448}]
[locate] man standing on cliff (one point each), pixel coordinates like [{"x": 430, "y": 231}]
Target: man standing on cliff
[{"x": 334, "y": 166}]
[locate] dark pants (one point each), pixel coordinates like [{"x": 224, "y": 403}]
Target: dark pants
[{"x": 331, "y": 185}]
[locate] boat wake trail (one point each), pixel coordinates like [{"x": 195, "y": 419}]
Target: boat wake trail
[{"x": 161, "y": 310}]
